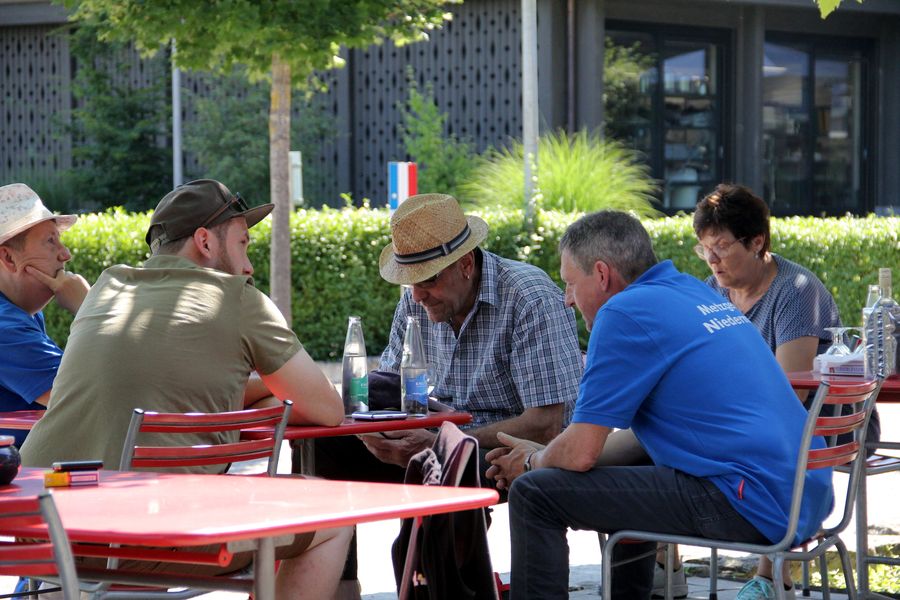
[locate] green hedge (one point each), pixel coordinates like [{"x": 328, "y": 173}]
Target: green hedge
[{"x": 335, "y": 260}]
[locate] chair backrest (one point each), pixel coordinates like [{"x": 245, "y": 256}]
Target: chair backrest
[
  {"x": 135, "y": 456},
  {"x": 32, "y": 558},
  {"x": 853, "y": 406}
]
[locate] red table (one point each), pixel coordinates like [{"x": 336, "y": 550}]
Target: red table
[
  {"x": 809, "y": 380},
  {"x": 20, "y": 419},
  {"x": 174, "y": 509},
  {"x": 305, "y": 434}
]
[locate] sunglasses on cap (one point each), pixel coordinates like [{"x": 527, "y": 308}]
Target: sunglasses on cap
[{"x": 235, "y": 199}]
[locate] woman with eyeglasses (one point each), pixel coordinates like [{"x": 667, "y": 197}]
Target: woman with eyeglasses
[{"x": 787, "y": 302}]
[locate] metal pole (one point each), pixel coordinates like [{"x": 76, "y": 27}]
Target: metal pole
[
  {"x": 177, "y": 160},
  {"x": 529, "y": 100}
]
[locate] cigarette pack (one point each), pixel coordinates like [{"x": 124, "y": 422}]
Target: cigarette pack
[{"x": 70, "y": 478}]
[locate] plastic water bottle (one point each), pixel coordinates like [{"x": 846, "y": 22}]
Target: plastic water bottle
[
  {"x": 355, "y": 381},
  {"x": 414, "y": 371}
]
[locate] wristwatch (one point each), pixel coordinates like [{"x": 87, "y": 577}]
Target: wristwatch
[{"x": 528, "y": 461}]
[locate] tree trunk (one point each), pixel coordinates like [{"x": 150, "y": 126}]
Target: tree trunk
[{"x": 279, "y": 171}]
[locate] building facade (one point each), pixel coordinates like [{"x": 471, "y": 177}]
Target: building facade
[{"x": 762, "y": 92}]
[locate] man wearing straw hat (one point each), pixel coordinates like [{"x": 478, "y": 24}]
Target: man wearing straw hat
[
  {"x": 32, "y": 272},
  {"x": 498, "y": 337}
]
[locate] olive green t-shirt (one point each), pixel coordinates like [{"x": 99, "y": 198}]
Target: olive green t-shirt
[{"x": 167, "y": 337}]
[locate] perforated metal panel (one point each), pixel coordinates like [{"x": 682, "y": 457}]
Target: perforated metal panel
[
  {"x": 474, "y": 66},
  {"x": 34, "y": 91}
]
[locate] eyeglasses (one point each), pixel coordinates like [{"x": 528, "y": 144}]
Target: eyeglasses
[
  {"x": 236, "y": 199},
  {"x": 721, "y": 250},
  {"x": 430, "y": 282}
]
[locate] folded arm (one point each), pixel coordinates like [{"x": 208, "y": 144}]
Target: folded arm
[{"x": 316, "y": 402}]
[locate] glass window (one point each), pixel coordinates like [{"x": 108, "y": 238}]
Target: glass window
[{"x": 812, "y": 128}]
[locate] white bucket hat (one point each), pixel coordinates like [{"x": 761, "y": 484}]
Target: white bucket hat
[{"x": 21, "y": 208}]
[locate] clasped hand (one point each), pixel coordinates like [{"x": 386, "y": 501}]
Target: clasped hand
[
  {"x": 508, "y": 461},
  {"x": 397, "y": 447}
]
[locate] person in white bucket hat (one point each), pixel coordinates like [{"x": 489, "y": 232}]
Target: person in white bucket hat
[{"x": 32, "y": 273}]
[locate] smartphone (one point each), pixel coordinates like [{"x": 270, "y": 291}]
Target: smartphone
[
  {"x": 77, "y": 465},
  {"x": 379, "y": 415}
]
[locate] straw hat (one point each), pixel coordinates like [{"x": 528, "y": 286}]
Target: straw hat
[
  {"x": 21, "y": 209},
  {"x": 429, "y": 233}
]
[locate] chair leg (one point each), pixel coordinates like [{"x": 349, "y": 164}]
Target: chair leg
[
  {"x": 804, "y": 566},
  {"x": 713, "y": 574},
  {"x": 862, "y": 539},
  {"x": 847, "y": 568},
  {"x": 823, "y": 572},
  {"x": 670, "y": 569},
  {"x": 778, "y": 575}
]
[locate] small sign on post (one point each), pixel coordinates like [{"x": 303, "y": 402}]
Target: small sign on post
[
  {"x": 402, "y": 182},
  {"x": 295, "y": 184}
]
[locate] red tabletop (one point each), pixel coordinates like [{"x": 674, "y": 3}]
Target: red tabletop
[
  {"x": 809, "y": 380},
  {"x": 175, "y": 509},
  {"x": 353, "y": 427},
  {"x": 20, "y": 419}
]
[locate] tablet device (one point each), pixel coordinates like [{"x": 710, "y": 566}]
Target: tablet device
[{"x": 379, "y": 415}]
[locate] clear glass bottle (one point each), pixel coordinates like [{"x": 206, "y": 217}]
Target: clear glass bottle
[
  {"x": 891, "y": 323},
  {"x": 414, "y": 371},
  {"x": 871, "y": 299},
  {"x": 355, "y": 380},
  {"x": 879, "y": 330}
]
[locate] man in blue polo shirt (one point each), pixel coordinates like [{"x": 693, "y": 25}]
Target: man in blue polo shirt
[
  {"x": 702, "y": 393},
  {"x": 32, "y": 261}
]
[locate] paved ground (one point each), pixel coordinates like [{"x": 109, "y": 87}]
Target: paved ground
[{"x": 376, "y": 574}]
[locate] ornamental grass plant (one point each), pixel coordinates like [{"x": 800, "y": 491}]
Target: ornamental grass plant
[{"x": 580, "y": 172}]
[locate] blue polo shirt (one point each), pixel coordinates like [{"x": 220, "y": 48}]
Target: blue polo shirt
[
  {"x": 29, "y": 361},
  {"x": 694, "y": 380}
]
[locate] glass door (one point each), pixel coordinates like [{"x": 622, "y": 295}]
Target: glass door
[
  {"x": 691, "y": 122},
  {"x": 664, "y": 97},
  {"x": 813, "y": 134}
]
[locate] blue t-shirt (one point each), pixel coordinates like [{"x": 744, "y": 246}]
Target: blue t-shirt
[
  {"x": 29, "y": 364},
  {"x": 691, "y": 376}
]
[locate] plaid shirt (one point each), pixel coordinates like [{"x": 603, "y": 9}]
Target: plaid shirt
[{"x": 517, "y": 349}]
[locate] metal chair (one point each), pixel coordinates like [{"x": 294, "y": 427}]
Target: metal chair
[
  {"x": 875, "y": 465},
  {"x": 851, "y": 453},
  {"x": 137, "y": 456},
  {"x": 33, "y": 557}
]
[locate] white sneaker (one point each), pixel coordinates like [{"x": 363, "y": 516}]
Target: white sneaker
[
  {"x": 679, "y": 582},
  {"x": 760, "y": 588}
]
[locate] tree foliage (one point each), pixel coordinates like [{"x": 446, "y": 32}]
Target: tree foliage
[
  {"x": 116, "y": 128},
  {"x": 826, "y": 7},
  {"x": 216, "y": 36},
  {"x": 230, "y": 140}
]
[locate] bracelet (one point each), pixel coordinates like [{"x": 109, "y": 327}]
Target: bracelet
[{"x": 528, "y": 461}]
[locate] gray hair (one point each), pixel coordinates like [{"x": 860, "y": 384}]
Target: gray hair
[{"x": 614, "y": 237}]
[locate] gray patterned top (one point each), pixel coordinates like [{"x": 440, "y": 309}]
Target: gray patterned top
[{"x": 796, "y": 305}]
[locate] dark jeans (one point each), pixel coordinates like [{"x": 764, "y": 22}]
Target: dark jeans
[
  {"x": 544, "y": 503},
  {"x": 345, "y": 457}
]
